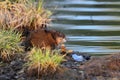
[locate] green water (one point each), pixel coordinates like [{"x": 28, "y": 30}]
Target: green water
[{"x": 91, "y": 26}]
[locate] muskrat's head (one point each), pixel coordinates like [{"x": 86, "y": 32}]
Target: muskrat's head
[{"x": 59, "y": 37}]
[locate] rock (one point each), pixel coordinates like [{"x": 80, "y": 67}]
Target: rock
[
  {"x": 13, "y": 63},
  {"x": 11, "y": 74},
  {"x": 97, "y": 68},
  {"x": 16, "y": 77},
  {"x": 66, "y": 74},
  {"x": 115, "y": 78},
  {"x": 100, "y": 78},
  {"x": 4, "y": 77},
  {"x": 21, "y": 71},
  {"x": 22, "y": 78},
  {"x": 103, "y": 67}
]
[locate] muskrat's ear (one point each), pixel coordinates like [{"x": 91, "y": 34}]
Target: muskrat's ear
[
  {"x": 43, "y": 26},
  {"x": 25, "y": 32},
  {"x": 53, "y": 36}
]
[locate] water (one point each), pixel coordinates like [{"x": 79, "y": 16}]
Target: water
[{"x": 91, "y": 26}]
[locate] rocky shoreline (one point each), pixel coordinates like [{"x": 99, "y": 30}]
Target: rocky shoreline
[{"x": 97, "y": 68}]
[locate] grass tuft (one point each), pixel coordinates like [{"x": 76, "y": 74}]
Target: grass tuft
[
  {"x": 9, "y": 44},
  {"x": 43, "y": 63}
]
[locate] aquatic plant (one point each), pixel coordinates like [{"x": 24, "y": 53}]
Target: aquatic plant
[
  {"x": 23, "y": 13},
  {"x": 43, "y": 63},
  {"x": 9, "y": 44}
]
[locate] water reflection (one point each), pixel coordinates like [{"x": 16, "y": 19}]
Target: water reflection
[
  {"x": 88, "y": 17},
  {"x": 86, "y": 2},
  {"x": 95, "y": 38},
  {"x": 88, "y": 9},
  {"x": 91, "y": 26}
]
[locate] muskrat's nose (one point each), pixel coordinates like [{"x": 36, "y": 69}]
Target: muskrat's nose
[{"x": 64, "y": 40}]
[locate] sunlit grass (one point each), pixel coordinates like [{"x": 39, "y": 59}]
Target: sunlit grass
[
  {"x": 9, "y": 44},
  {"x": 19, "y": 13},
  {"x": 43, "y": 63}
]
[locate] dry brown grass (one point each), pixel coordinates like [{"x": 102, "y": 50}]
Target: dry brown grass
[{"x": 23, "y": 13}]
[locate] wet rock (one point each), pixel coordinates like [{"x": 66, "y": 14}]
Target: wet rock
[
  {"x": 4, "y": 77},
  {"x": 103, "y": 67},
  {"x": 13, "y": 63},
  {"x": 67, "y": 74},
  {"x": 11, "y": 70},
  {"x": 22, "y": 78},
  {"x": 115, "y": 78},
  {"x": 97, "y": 68}
]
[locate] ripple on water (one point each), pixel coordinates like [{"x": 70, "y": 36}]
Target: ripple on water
[{"x": 91, "y": 26}]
